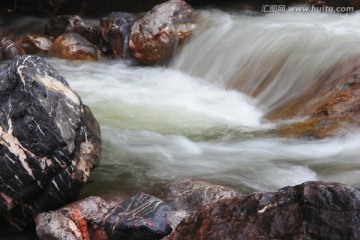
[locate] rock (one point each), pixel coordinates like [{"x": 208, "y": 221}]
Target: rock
[
  {"x": 37, "y": 45},
  {"x": 73, "y": 46},
  {"x": 155, "y": 37},
  {"x": 49, "y": 141},
  {"x": 312, "y": 210},
  {"x": 141, "y": 217},
  {"x": 115, "y": 29},
  {"x": 192, "y": 194},
  {"x": 79, "y": 221},
  {"x": 10, "y": 50},
  {"x": 333, "y": 110},
  {"x": 71, "y": 24},
  {"x": 93, "y": 8}
]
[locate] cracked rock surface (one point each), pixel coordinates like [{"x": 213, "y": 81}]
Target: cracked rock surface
[
  {"x": 312, "y": 210},
  {"x": 49, "y": 141}
]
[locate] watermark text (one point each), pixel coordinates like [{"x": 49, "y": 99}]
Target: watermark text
[{"x": 284, "y": 8}]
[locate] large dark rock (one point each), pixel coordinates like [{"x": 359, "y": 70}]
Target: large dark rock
[
  {"x": 141, "y": 217},
  {"x": 73, "y": 46},
  {"x": 155, "y": 37},
  {"x": 192, "y": 194},
  {"x": 71, "y": 24},
  {"x": 49, "y": 141},
  {"x": 115, "y": 30},
  {"x": 312, "y": 210}
]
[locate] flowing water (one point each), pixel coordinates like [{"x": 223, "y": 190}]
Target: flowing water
[
  {"x": 189, "y": 120},
  {"x": 204, "y": 115}
]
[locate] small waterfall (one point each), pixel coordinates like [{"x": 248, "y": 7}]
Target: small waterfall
[{"x": 274, "y": 57}]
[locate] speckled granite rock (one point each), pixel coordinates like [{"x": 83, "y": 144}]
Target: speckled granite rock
[
  {"x": 312, "y": 210},
  {"x": 49, "y": 141},
  {"x": 155, "y": 37}
]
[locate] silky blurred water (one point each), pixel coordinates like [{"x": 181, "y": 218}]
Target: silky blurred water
[
  {"x": 203, "y": 116},
  {"x": 190, "y": 120}
]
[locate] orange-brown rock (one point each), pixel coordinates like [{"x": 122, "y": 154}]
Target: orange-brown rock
[
  {"x": 334, "y": 109},
  {"x": 33, "y": 44},
  {"x": 156, "y": 36},
  {"x": 73, "y": 46}
]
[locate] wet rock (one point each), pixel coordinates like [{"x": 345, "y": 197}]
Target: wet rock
[
  {"x": 33, "y": 44},
  {"x": 10, "y": 50},
  {"x": 141, "y": 217},
  {"x": 312, "y": 210},
  {"x": 156, "y": 36},
  {"x": 73, "y": 46},
  {"x": 192, "y": 194},
  {"x": 49, "y": 141},
  {"x": 115, "y": 30},
  {"x": 79, "y": 221},
  {"x": 71, "y": 24},
  {"x": 333, "y": 110}
]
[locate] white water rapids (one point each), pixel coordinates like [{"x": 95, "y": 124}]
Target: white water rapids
[
  {"x": 198, "y": 117},
  {"x": 186, "y": 121}
]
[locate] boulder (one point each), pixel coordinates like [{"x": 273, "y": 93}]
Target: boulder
[
  {"x": 37, "y": 45},
  {"x": 335, "y": 3},
  {"x": 333, "y": 110},
  {"x": 156, "y": 37},
  {"x": 73, "y": 46},
  {"x": 190, "y": 194},
  {"x": 81, "y": 220},
  {"x": 140, "y": 217},
  {"x": 115, "y": 30},
  {"x": 10, "y": 50},
  {"x": 312, "y": 210},
  {"x": 49, "y": 141},
  {"x": 71, "y": 24}
]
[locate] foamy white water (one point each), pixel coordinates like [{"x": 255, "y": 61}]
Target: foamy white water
[
  {"x": 276, "y": 56},
  {"x": 191, "y": 121}
]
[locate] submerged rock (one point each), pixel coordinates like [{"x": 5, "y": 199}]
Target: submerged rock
[
  {"x": 333, "y": 110},
  {"x": 312, "y": 210},
  {"x": 71, "y": 24},
  {"x": 115, "y": 30},
  {"x": 73, "y": 46},
  {"x": 155, "y": 37},
  {"x": 191, "y": 194},
  {"x": 49, "y": 141}
]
